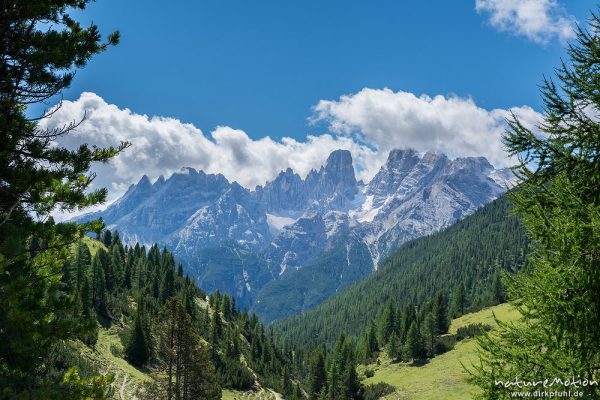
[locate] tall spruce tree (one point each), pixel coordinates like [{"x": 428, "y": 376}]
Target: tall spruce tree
[
  {"x": 318, "y": 376},
  {"x": 559, "y": 201},
  {"x": 138, "y": 347},
  {"x": 388, "y": 323},
  {"x": 430, "y": 333},
  {"x": 440, "y": 314},
  {"x": 351, "y": 386},
  {"x": 459, "y": 300},
  {"x": 40, "y": 49},
  {"x": 369, "y": 345},
  {"x": 183, "y": 359},
  {"x": 413, "y": 345},
  {"x": 394, "y": 347}
]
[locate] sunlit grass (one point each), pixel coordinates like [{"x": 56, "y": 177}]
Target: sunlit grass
[
  {"x": 504, "y": 312},
  {"x": 94, "y": 245},
  {"x": 443, "y": 377},
  {"x": 235, "y": 395}
]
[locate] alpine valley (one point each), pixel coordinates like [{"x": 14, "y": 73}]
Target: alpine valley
[{"x": 285, "y": 247}]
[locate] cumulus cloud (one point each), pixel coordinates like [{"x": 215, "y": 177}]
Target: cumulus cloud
[
  {"x": 161, "y": 146},
  {"x": 368, "y": 123},
  {"x": 453, "y": 125},
  {"x": 537, "y": 20}
]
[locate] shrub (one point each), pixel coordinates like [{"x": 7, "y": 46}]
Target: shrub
[
  {"x": 116, "y": 350},
  {"x": 472, "y": 330},
  {"x": 444, "y": 344},
  {"x": 378, "y": 390}
]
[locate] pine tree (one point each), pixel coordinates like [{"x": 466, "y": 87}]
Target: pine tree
[
  {"x": 498, "y": 295},
  {"x": 369, "y": 343},
  {"x": 41, "y": 47},
  {"x": 217, "y": 326},
  {"x": 440, "y": 314},
  {"x": 167, "y": 286},
  {"x": 137, "y": 348},
  {"x": 351, "y": 387},
  {"x": 286, "y": 383},
  {"x": 559, "y": 202},
  {"x": 393, "y": 347},
  {"x": 86, "y": 299},
  {"x": 69, "y": 276},
  {"x": 116, "y": 265},
  {"x": 226, "y": 308},
  {"x": 107, "y": 238},
  {"x": 186, "y": 364},
  {"x": 82, "y": 261},
  {"x": 408, "y": 317},
  {"x": 388, "y": 323},
  {"x": 430, "y": 332},
  {"x": 200, "y": 378},
  {"x": 459, "y": 301},
  {"x": 336, "y": 368},
  {"x": 318, "y": 375},
  {"x": 154, "y": 255},
  {"x": 413, "y": 346},
  {"x": 98, "y": 286},
  {"x": 128, "y": 272}
]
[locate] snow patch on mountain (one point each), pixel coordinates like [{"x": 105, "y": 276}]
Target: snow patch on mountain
[
  {"x": 366, "y": 212},
  {"x": 278, "y": 222}
]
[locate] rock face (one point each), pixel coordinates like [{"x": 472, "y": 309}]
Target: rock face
[
  {"x": 287, "y": 246},
  {"x": 413, "y": 196},
  {"x": 330, "y": 188}
]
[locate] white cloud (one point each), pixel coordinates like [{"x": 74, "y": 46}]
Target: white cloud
[
  {"x": 368, "y": 123},
  {"x": 453, "y": 125},
  {"x": 537, "y": 20},
  {"x": 161, "y": 146}
]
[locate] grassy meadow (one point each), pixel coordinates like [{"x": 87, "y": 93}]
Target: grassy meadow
[{"x": 443, "y": 377}]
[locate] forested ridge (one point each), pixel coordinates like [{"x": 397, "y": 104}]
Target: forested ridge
[
  {"x": 464, "y": 262},
  {"x": 163, "y": 316}
]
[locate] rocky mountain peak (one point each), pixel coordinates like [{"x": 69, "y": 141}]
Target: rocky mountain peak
[
  {"x": 326, "y": 221},
  {"x": 144, "y": 182},
  {"x": 397, "y": 167},
  {"x": 328, "y": 188},
  {"x": 473, "y": 164},
  {"x": 340, "y": 170},
  {"x": 399, "y": 158},
  {"x": 339, "y": 161}
]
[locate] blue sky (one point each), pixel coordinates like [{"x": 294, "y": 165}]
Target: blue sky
[
  {"x": 261, "y": 65},
  {"x": 248, "y": 88}
]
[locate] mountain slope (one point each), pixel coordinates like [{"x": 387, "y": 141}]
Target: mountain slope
[
  {"x": 444, "y": 377},
  {"x": 347, "y": 261},
  {"x": 255, "y": 244},
  {"x": 469, "y": 252},
  {"x": 124, "y": 295}
]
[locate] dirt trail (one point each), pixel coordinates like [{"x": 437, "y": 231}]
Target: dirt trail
[
  {"x": 122, "y": 389},
  {"x": 277, "y": 395}
]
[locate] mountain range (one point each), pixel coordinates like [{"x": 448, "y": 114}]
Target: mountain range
[
  {"x": 471, "y": 255},
  {"x": 287, "y": 246}
]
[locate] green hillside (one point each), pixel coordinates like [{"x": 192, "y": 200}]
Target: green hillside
[
  {"x": 128, "y": 379},
  {"x": 309, "y": 286},
  {"x": 472, "y": 252},
  {"x": 127, "y": 297},
  {"x": 443, "y": 377}
]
